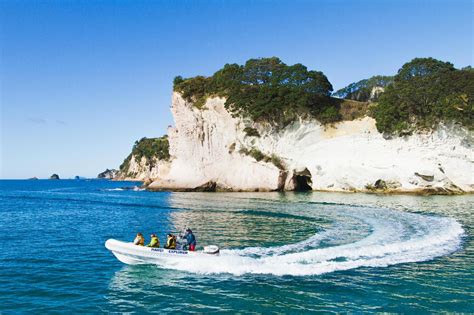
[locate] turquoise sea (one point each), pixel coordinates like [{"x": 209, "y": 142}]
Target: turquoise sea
[{"x": 282, "y": 252}]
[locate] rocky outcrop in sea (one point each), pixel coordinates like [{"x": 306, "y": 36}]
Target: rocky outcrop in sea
[{"x": 108, "y": 174}]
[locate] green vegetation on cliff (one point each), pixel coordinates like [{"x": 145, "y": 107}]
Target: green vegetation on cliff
[
  {"x": 265, "y": 89},
  {"x": 260, "y": 156},
  {"x": 152, "y": 149},
  {"x": 424, "y": 93},
  {"x": 251, "y": 132}
]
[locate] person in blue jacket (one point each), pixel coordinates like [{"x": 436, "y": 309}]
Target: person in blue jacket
[{"x": 190, "y": 240}]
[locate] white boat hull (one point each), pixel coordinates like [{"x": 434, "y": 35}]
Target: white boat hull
[{"x": 132, "y": 254}]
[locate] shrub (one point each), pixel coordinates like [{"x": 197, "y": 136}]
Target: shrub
[
  {"x": 330, "y": 115},
  {"x": 125, "y": 164},
  {"x": 194, "y": 90},
  {"x": 251, "y": 132},
  {"x": 177, "y": 80},
  {"x": 277, "y": 161},
  {"x": 256, "y": 154},
  {"x": 232, "y": 148},
  {"x": 244, "y": 151},
  {"x": 260, "y": 156},
  {"x": 151, "y": 148}
]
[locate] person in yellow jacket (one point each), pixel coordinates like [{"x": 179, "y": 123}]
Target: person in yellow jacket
[
  {"x": 139, "y": 240},
  {"x": 154, "y": 242},
  {"x": 171, "y": 242}
]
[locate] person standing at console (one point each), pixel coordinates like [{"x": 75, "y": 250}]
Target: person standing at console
[{"x": 190, "y": 240}]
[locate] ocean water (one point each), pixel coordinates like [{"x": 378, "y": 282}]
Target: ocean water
[{"x": 282, "y": 252}]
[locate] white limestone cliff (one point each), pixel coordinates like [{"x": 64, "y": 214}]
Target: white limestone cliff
[
  {"x": 143, "y": 170},
  {"x": 209, "y": 151}
]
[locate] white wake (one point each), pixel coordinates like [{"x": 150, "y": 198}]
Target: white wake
[{"x": 389, "y": 237}]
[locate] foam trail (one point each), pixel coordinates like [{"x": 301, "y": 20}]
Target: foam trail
[{"x": 393, "y": 237}]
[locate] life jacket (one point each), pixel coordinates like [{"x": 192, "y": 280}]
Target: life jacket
[
  {"x": 139, "y": 240},
  {"x": 154, "y": 242},
  {"x": 171, "y": 242}
]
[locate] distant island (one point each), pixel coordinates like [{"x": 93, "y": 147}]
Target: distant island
[
  {"x": 268, "y": 126},
  {"x": 108, "y": 174}
]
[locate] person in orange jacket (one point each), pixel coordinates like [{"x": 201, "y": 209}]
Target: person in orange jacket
[{"x": 139, "y": 240}]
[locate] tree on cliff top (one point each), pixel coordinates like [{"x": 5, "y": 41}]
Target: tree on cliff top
[
  {"x": 265, "y": 89},
  {"x": 424, "y": 93}
]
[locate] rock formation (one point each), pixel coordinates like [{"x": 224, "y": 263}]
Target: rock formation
[
  {"x": 54, "y": 176},
  {"x": 108, "y": 174},
  {"x": 211, "y": 150}
]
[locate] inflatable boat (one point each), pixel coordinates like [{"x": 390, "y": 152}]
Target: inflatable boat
[{"x": 132, "y": 254}]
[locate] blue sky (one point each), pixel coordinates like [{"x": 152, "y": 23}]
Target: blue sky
[{"x": 82, "y": 80}]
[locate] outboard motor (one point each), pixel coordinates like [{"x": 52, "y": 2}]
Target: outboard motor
[
  {"x": 211, "y": 249},
  {"x": 181, "y": 242}
]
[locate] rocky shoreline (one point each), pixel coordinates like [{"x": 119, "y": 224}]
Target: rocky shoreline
[{"x": 213, "y": 187}]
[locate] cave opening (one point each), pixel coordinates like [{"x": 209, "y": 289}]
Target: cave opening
[
  {"x": 303, "y": 183},
  {"x": 302, "y": 180}
]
